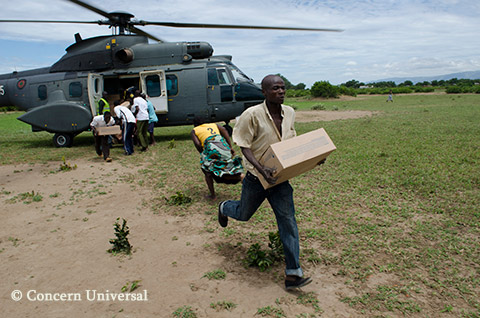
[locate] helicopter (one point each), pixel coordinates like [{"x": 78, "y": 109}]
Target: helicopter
[{"x": 181, "y": 79}]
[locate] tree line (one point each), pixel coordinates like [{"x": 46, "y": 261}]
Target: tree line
[{"x": 354, "y": 87}]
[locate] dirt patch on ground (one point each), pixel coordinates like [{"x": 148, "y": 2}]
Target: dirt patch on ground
[{"x": 55, "y": 246}]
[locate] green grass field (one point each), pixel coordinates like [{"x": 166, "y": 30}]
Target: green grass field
[{"x": 399, "y": 199}]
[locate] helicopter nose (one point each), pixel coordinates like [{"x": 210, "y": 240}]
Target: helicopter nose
[{"x": 246, "y": 91}]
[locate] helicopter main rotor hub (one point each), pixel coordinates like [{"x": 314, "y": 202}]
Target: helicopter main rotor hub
[{"x": 120, "y": 20}]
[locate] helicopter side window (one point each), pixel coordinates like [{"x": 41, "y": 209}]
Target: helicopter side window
[
  {"x": 42, "y": 92},
  {"x": 97, "y": 86},
  {"x": 223, "y": 77},
  {"x": 219, "y": 77},
  {"x": 212, "y": 76},
  {"x": 75, "y": 89},
  {"x": 153, "y": 86},
  {"x": 172, "y": 85}
]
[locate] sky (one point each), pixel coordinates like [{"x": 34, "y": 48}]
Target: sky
[{"x": 381, "y": 38}]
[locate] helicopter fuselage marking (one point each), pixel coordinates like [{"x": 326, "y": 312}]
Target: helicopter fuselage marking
[{"x": 2, "y": 91}]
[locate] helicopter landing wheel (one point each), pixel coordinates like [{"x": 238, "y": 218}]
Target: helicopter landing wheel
[{"x": 61, "y": 140}]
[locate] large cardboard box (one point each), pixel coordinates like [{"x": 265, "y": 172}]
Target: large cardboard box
[
  {"x": 110, "y": 130},
  {"x": 297, "y": 155}
]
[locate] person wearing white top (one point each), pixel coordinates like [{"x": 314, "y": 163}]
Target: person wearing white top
[
  {"x": 140, "y": 109},
  {"x": 101, "y": 142},
  {"x": 128, "y": 127}
]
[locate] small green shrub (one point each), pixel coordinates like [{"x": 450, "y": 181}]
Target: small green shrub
[
  {"x": 130, "y": 288},
  {"x": 309, "y": 299},
  {"x": 184, "y": 312},
  {"x": 216, "y": 274},
  {"x": 270, "y": 311},
  {"x": 26, "y": 197},
  {"x": 67, "y": 166},
  {"x": 14, "y": 241},
  {"x": 256, "y": 257},
  {"x": 223, "y": 305},
  {"x": 120, "y": 243},
  {"x": 178, "y": 199},
  {"x": 318, "y": 107}
]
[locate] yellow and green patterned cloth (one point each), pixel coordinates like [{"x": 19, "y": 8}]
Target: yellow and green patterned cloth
[{"x": 217, "y": 158}]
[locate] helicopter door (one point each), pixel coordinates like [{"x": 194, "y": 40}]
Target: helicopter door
[
  {"x": 95, "y": 90},
  {"x": 153, "y": 84},
  {"x": 220, "y": 86},
  {"x": 220, "y": 93}
]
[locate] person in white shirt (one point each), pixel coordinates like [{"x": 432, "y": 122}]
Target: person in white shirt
[
  {"x": 128, "y": 127},
  {"x": 101, "y": 142},
  {"x": 140, "y": 110}
]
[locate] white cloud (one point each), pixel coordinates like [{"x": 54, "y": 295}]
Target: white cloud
[{"x": 381, "y": 38}]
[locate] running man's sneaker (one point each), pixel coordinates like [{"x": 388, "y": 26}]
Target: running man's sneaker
[
  {"x": 297, "y": 282},
  {"x": 222, "y": 219}
]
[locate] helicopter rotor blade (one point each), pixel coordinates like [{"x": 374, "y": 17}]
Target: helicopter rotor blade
[
  {"x": 52, "y": 21},
  {"x": 130, "y": 27},
  {"x": 123, "y": 21},
  {"x": 140, "y": 32},
  {"x": 92, "y": 8},
  {"x": 232, "y": 26}
]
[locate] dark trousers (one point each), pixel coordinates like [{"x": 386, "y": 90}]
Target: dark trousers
[
  {"x": 128, "y": 129},
  {"x": 142, "y": 126},
  {"x": 280, "y": 198},
  {"x": 101, "y": 146}
]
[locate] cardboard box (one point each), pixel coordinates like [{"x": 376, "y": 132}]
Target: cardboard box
[
  {"x": 111, "y": 130},
  {"x": 297, "y": 155}
]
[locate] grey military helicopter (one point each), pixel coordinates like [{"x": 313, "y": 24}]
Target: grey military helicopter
[{"x": 182, "y": 79}]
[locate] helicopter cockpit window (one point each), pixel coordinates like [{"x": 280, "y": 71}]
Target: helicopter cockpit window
[
  {"x": 153, "y": 86},
  {"x": 239, "y": 76},
  {"x": 75, "y": 89},
  {"x": 42, "y": 92}
]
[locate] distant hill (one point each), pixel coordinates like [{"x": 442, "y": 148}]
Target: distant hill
[{"x": 462, "y": 75}]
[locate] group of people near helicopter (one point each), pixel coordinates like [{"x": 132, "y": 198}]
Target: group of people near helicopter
[{"x": 136, "y": 116}]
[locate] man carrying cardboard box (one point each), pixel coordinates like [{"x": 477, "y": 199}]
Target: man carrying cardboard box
[
  {"x": 101, "y": 141},
  {"x": 256, "y": 129}
]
